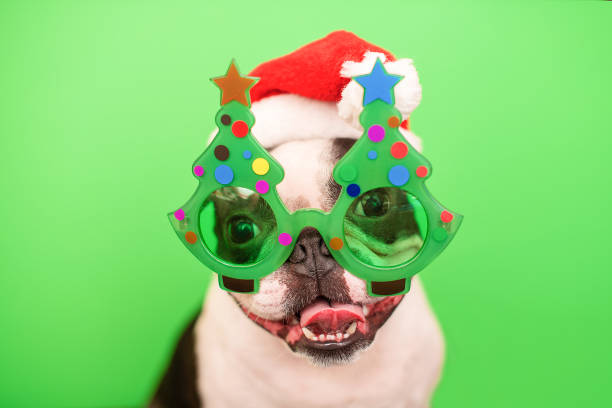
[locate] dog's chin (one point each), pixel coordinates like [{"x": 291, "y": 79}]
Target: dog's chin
[{"x": 325, "y": 346}]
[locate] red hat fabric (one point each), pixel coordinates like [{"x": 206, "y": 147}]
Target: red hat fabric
[
  {"x": 308, "y": 94},
  {"x": 318, "y": 76}
]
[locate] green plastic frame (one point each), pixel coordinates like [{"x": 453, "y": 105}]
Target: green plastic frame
[{"x": 354, "y": 168}]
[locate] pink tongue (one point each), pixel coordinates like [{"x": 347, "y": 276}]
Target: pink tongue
[{"x": 330, "y": 317}]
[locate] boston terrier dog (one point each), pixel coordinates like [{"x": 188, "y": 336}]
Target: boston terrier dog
[{"x": 311, "y": 336}]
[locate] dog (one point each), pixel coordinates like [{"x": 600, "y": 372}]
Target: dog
[
  {"x": 312, "y": 336},
  {"x": 260, "y": 350}
]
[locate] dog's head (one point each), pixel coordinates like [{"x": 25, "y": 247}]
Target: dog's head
[{"x": 319, "y": 309}]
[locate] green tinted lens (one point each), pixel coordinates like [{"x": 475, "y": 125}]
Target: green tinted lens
[
  {"x": 237, "y": 225},
  {"x": 385, "y": 226}
]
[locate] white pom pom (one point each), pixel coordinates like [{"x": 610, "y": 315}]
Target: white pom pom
[
  {"x": 413, "y": 139},
  {"x": 407, "y": 91}
]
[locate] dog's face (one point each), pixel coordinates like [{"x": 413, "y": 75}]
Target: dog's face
[{"x": 319, "y": 309}]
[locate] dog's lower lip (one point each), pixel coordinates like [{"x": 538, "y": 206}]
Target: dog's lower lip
[{"x": 330, "y": 345}]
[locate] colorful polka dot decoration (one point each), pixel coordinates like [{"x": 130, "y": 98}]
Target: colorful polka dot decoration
[
  {"x": 399, "y": 150},
  {"x": 393, "y": 121},
  {"x": 260, "y": 166},
  {"x": 285, "y": 239},
  {"x": 353, "y": 190},
  {"x": 376, "y": 133},
  {"x": 198, "y": 171},
  {"x": 240, "y": 128},
  {"x": 224, "y": 174},
  {"x": 191, "y": 237},
  {"x": 226, "y": 119},
  {"x": 222, "y": 152},
  {"x": 348, "y": 172},
  {"x": 247, "y": 154},
  {"x": 398, "y": 175},
  {"x": 179, "y": 214},
  {"x": 262, "y": 186},
  {"x": 439, "y": 234},
  {"x": 336, "y": 243},
  {"x": 446, "y": 216},
  {"x": 422, "y": 171}
]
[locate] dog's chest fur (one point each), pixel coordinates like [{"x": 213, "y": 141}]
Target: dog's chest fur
[{"x": 241, "y": 365}]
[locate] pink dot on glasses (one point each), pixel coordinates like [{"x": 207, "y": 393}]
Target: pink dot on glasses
[
  {"x": 179, "y": 214},
  {"x": 285, "y": 239},
  {"x": 198, "y": 171},
  {"x": 376, "y": 133},
  {"x": 262, "y": 186}
]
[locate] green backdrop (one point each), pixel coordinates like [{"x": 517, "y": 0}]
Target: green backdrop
[{"x": 104, "y": 106}]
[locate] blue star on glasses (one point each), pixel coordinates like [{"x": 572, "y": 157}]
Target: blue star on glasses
[{"x": 378, "y": 84}]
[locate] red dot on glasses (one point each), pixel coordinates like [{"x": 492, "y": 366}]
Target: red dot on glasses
[
  {"x": 240, "y": 128},
  {"x": 399, "y": 150},
  {"x": 446, "y": 216},
  {"x": 421, "y": 171}
]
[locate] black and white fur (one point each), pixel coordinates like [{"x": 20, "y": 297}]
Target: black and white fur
[{"x": 225, "y": 359}]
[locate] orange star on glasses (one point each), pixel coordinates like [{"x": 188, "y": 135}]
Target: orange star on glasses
[{"x": 235, "y": 87}]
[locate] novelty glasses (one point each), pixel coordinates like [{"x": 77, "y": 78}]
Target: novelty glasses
[{"x": 384, "y": 228}]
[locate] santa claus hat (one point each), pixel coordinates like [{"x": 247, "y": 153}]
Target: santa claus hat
[{"x": 308, "y": 93}]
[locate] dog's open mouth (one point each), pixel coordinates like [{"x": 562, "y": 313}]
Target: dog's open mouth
[{"x": 326, "y": 325}]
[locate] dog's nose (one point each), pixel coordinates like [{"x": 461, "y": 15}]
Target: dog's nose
[{"x": 311, "y": 254}]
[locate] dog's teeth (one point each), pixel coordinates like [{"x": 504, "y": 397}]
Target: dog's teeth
[
  {"x": 338, "y": 336},
  {"x": 352, "y": 328},
  {"x": 365, "y": 310},
  {"x": 331, "y": 337},
  {"x": 309, "y": 335},
  {"x": 321, "y": 337},
  {"x": 346, "y": 335}
]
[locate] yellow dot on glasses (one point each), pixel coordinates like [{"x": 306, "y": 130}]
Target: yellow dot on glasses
[{"x": 260, "y": 166}]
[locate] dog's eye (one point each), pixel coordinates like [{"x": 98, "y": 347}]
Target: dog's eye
[
  {"x": 373, "y": 204},
  {"x": 241, "y": 229}
]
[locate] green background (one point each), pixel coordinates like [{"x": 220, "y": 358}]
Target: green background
[{"x": 104, "y": 106}]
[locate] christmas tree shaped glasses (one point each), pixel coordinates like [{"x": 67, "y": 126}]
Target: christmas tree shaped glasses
[{"x": 384, "y": 228}]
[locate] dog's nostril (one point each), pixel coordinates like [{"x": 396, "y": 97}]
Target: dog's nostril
[
  {"x": 298, "y": 255},
  {"x": 324, "y": 249}
]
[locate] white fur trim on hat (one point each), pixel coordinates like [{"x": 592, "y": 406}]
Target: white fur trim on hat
[{"x": 286, "y": 117}]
